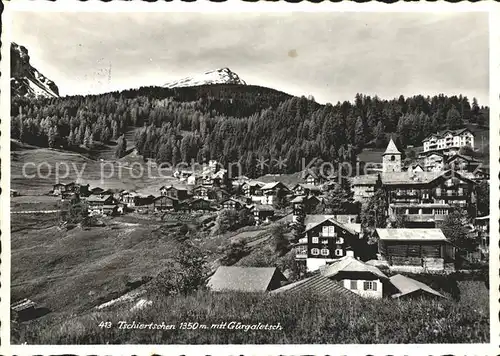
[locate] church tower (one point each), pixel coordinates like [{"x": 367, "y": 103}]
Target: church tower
[{"x": 391, "y": 159}]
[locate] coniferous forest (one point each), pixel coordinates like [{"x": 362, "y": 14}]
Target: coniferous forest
[{"x": 242, "y": 123}]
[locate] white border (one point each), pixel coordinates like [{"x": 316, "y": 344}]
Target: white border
[{"x": 230, "y": 7}]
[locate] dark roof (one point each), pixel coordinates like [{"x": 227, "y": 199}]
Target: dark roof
[
  {"x": 312, "y": 225},
  {"x": 243, "y": 279},
  {"x": 408, "y": 286},
  {"x": 317, "y": 284}
]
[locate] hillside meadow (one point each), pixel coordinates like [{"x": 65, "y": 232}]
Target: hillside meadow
[{"x": 304, "y": 319}]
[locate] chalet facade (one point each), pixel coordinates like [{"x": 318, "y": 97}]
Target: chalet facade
[
  {"x": 434, "y": 162},
  {"x": 415, "y": 250},
  {"x": 174, "y": 192},
  {"x": 252, "y": 189},
  {"x": 448, "y": 141},
  {"x": 325, "y": 241},
  {"x": 232, "y": 204},
  {"x": 72, "y": 187},
  {"x": 462, "y": 163},
  {"x": 312, "y": 178},
  {"x": 358, "y": 277},
  {"x": 202, "y": 192},
  {"x": 103, "y": 204},
  {"x": 306, "y": 189},
  {"x": 303, "y": 205},
  {"x": 165, "y": 202},
  {"x": 271, "y": 191},
  {"x": 262, "y": 214},
  {"x": 482, "y": 225}
]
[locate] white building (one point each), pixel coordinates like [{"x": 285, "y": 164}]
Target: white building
[{"x": 448, "y": 141}]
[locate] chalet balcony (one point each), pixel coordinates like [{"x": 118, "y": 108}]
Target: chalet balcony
[
  {"x": 334, "y": 235},
  {"x": 425, "y": 217}
]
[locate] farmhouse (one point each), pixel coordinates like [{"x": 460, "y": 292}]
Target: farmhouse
[
  {"x": 202, "y": 192},
  {"x": 252, "y": 188},
  {"x": 174, "y": 192},
  {"x": 306, "y": 189},
  {"x": 271, "y": 191},
  {"x": 262, "y": 213},
  {"x": 164, "y": 202},
  {"x": 246, "y": 279},
  {"x": 101, "y": 204},
  {"x": 199, "y": 204},
  {"x": 325, "y": 240},
  {"x": 460, "y": 162},
  {"x": 233, "y": 204},
  {"x": 410, "y": 288},
  {"x": 415, "y": 250},
  {"x": 303, "y": 205},
  {"x": 434, "y": 162},
  {"x": 360, "y": 278},
  {"x": 312, "y": 178}
]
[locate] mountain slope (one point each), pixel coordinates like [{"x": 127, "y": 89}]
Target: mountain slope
[
  {"x": 218, "y": 76},
  {"x": 26, "y": 80}
]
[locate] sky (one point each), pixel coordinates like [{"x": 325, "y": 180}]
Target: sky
[{"x": 331, "y": 56}]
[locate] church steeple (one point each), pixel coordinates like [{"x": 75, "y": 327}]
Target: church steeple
[{"x": 391, "y": 159}]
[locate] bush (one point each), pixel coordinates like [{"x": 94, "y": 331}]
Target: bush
[{"x": 234, "y": 252}]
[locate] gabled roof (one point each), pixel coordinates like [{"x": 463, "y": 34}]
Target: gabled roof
[
  {"x": 312, "y": 225},
  {"x": 466, "y": 158},
  {"x": 233, "y": 199},
  {"x": 411, "y": 234},
  {"x": 273, "y": 185},
  {"x": 99, "y": 198},
  {"x": 317, "y": 284},
  {"x": 307, "y": 186},
  {"x": 261, "y": 207},
  {"x": 244, "y": 279},
  {"x": 350, "y": 264},
  {"x": 407, "y": 286},
  {"x": 391, "y": 148}
]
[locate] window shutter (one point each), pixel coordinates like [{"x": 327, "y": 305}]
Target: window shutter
[
  {"x": 374, "y": 285},
  {"x": 354, "y": 284},
  {"x": 365, "y": 285}
]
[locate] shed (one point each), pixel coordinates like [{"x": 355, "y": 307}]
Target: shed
[
  {"x": 409, "y": 287},
  {"x": 246, "y": 279}
]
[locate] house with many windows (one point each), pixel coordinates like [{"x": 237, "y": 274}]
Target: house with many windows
[
  {"x": 178, "y": 193},
  {"x": 325, "y": 240},
  {"x": 270, "y": 192},
  {"x": 448, "y": 141}
]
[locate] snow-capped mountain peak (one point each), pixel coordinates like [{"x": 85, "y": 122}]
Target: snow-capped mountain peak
[
  {"x": 218, "y": 76},
  {"x": 26, "y": 80}
]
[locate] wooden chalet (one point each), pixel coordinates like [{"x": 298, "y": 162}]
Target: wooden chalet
[
  {"x": 165, "y": 202},
  {"x": 233, "y": 204},
  {"x": 104, "y": 204},
  {"x": 262, "y": 213},
  {"x": 415, "y": 250},
  {"x": 270, "y": 191},
  {"x": 464, "y": 163},
  {"x": 306, "y": 189},
  {"x": 325, "y": 240},
  {"x": 203, "y": 192},
  {"x": 174, "y": 192}
]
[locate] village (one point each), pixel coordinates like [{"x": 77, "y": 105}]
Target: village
[{"x": 331, "y": 250}]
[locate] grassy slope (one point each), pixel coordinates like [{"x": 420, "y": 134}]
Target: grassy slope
[
  {"x": 304, "y": 318},
  {"x": 74, "y": 270}
]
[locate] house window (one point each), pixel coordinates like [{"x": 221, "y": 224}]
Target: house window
[
  {"x": 354, "y": 284},
  {"x": 315, "y": 251},
  {"x": 315, "y": 240},
  {"x": 325, "y": 252},
  {"x": 368, "y": 285},
  {"x": 393, "y": 158},
  {"x": 338, "y": 252}
]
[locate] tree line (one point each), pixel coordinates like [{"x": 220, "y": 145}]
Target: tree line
[{"x": 233, "y": 123}]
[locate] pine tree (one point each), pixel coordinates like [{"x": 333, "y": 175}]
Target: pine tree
[
  {"x": 87, "y": 140},
  {"x": 121, "y": 147},
  {"x": 453, "y": 118}
]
